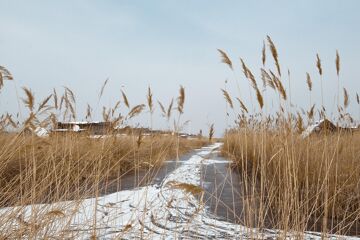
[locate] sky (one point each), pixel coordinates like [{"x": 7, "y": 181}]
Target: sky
[{"x": 165, "y": 44}]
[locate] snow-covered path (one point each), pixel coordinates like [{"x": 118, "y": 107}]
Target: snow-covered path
[{"x": 171, "y": 210}]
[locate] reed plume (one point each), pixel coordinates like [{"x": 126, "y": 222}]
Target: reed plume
[
  {"x": 88, "y": 112},
  {"x": 4, "y": 75},
  {"x": 259, "y": 98},
  {"x": 346, "y": 98},
  {"x": 181, "y": 100},
  {"x": 211, "y": 132},
  {"x": 168, "y": 113},
  {"x": 227, "y": 98},
  {"x": 263, "y": 55},
  {"x": 29, "y": 100},
  {"x": 55, "y": 99},
  {"x": 10, "y": 121},
  {"x": 299, "y": 123},
  {"x": 125, "y": 99},
  {"x": 274, "y": 54},
  {"x": 318, "y": 64},
  {"x": 337, "y": 63},
  {"x": 242, "y": 105},
  {"x": 308, "y": 81},
  {"x": 162, "y": 108},
  {"x": 103, "y": 88},
  {"x": 248, "y": 74},
  {"x": 267, "y": 80},
  {"x": 43, "y": 105},
  {"x": 150, "y": 100},
  {"x": 70, "y": 94},
  {"x": 136, "y": 110},
  {"x": 311, "y": 112},
  {"x": 280, "y": 88},
  {"x": 225, "y": 59}
]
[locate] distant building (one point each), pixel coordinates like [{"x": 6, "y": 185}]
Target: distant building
[
  {"x": 324, "y": 126},
  {"x": 93, "y": 128}
]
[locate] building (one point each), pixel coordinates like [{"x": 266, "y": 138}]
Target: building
[{"x": 93, "y": 128}]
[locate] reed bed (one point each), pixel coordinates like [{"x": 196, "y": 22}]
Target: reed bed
[
  {"x": 292, "y": 182},
  {"x": 76, "y": 165}
]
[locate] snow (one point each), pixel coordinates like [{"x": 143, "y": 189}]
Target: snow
[
  {"x": 152, "y": 212},
  {"x": 41, "y": 132},
  {"x": 311, "y": 128}
]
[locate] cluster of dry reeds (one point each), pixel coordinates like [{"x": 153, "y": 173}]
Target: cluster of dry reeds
[
  {"x": 75, "y": 165},
  {"x": 291, "y": 182}
]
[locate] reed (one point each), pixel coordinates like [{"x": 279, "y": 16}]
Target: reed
[{"x": 290, "y": 182}]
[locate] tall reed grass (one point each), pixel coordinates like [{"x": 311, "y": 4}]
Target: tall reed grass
[{"x": 291, "y": 182}]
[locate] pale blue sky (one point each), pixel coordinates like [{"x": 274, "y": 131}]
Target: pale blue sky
[{"x": 163, "y": 44}]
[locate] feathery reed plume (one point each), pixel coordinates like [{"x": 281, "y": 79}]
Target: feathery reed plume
[
  {"x": 211, "y": 132},
  {"x": 267, "y": 80},
  {"x": 242, "y": 105},
  {"x": 1, "y": 80},
  {"x": 72, "y": 110},
  {"x": 88, "y": 112},
  {"x": 259, "y": 98},
  {"x": 181, "y": 100},
  {"x": 162, "y": 108},
  {"x": 70, "y": 94},
  {"x": 318, "y": 64},
  {"x": 248, "y": 74},
  {"x": 308, "y": 81},
  {"x": 10, "y": 121},
  {"x": 43, "y": 105},
  {"x": 4, "y": 75},
  {"x": 62, "y": 99},
  {"x": 55, "y": 99},
  {"x": 102, "y": 88},
  {"x": 346, "y": 98},
  {"x": 29, "y": 100},
  {"x": 136, "y": 110},
  {"x": 225, "y": 59},
  {"x": 117, "y": 105},
  {"x": 150, "y": 100},
  {"x": 228, "y": 98},
  {"x": 106, "y": 114},
  {"x": 125, "y": 99},
  {"x": 309, "y": 84},
  {"x": 263, "y": 56},
  {"x": 310, "y": 113},
  {"x": 274, "y": 54},
  {"x": 337, "y": 63},
  {"x": 280, "y": 88},
  {"x": 168, "y": 113},
  {"x": 299, "y": 123}
]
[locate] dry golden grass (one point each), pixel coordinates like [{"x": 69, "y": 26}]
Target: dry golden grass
[
  {"x": 301, "y": 181},
  {"x": 292, "y": 183},
  {"x": 72, "y": 166}
]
